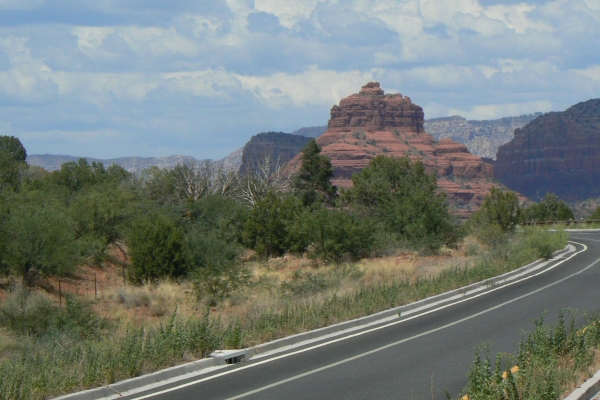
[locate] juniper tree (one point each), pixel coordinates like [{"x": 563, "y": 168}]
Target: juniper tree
[
  {"x": 551, "y": 208},
  {"x": 313, "y": 182},
  {"x": 12, "y": 160},
  {"x": 402, "y": 196}
]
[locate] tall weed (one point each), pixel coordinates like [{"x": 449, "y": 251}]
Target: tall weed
[
  {"x": 62, "y": 362},
  {"x": 551, "y": 360}
]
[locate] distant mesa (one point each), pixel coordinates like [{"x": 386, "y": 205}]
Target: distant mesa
[
  {"x": 280, "y": 147},
  {"x": 371, "y": 122},
  {"x": 260, "y": 144},
  {"x": 482, "y": 138},
  {"x": 557, "y": 152}
]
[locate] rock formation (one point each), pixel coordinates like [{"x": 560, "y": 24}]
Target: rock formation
[
  {"x": 281, "y": 147},
  {"x": 482, "y": 138},
  {"x": 369, "y": 123},
  {"x": 557, "y": 152},
  {"x": 311, "y": 131},
  {"x": 232, "y": 161}
]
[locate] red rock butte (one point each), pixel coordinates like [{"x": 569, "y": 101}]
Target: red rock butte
[{"x": 371, "y": 122}]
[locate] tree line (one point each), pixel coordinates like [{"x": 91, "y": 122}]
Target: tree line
[{"x": 196, "y": 222}]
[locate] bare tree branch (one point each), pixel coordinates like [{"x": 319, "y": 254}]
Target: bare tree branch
[
  {"x": 197, "y": 180},
  {"x": 266, "y": 175}
]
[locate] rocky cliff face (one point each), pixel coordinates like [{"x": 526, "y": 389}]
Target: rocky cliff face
[
  {"x": 277, "y": 145},
  {"x": 369, "y": 123},
  {"x": 482, "y": 138},
  {"x": 557, "y": 152}
]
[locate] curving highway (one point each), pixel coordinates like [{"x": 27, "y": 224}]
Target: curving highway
[{"x": 417, "y": 357}]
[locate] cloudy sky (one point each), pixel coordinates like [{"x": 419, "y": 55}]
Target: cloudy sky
[{"x": 112, "y": 78}]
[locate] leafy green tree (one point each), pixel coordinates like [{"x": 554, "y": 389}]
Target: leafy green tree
[
  {"x": 9, "y": 172},
  {"x": 14, "y": 148},
  {"x": 101, "y": 216},
  {"x": 551, "y": 208},
  {"x": 498, "y": 217},
  {"x": 213, "y": 245},
  {"x": 595, "y": 215},
  {"x": 156, "y": 249},
  {"x": 155, "y": 184},
  {"x": 223, "y": 217},
  {"x": 313, "y": 182},
  {"x": 40, "y": 242},
  {"x": 500, "y": 208},
  {"x": 77, "y": 175},
  {"x": 12, "y": 162},
  {"x": 4, "y": 239},
  {"x": 400, "y": 194},
  {"x": 269, "y": 223}
]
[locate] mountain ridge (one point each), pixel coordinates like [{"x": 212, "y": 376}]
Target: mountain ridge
[
  {"x": 482, "y": 137},
  {"x": 556, "y": 152}
]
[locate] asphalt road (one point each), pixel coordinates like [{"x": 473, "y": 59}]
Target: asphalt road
[{"x": 415, "y": 358}]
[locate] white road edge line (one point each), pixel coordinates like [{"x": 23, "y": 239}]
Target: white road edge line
[{"x": 378, "y": 328}]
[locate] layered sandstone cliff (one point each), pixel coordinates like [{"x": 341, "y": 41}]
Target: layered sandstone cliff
[
  {"x": 557, "y": 152},
  {"x": 369, "y": 123}
]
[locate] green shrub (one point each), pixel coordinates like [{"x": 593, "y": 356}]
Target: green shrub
[
  {"x": 77, "y": 175},
  {"x": 405, "y": 199},
  {"x": 222, "y": 217},
  {"x": 155, "y": 247},
  {"x": 269, "y": 224},
  {"x": 27, "y": 313},
  {"x": 33, "y": 313},
  {"x": 545, "y": 242},
  {"x": 490, "y": 234},
  {"x": 306, "y": 284},
  {"x": 550, "y": 359},
  {"x": 339, "y": 235},
  {"x": 215, "y": 265},
  {"x": 595, "y": 215},
  {"x": 550, "y": 208},
  {"x": 499, "y": 209},
  {"x": 40, "y": 241}
]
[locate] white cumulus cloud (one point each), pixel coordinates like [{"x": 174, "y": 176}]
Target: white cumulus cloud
[{"x": 200, "y": 78}]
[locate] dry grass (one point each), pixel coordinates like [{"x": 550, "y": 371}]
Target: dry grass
[
  {"x": 286, "y": 296},
  {"x": 270, "y": 279},
  {"x": 591, "y": 370},
  {"x": 148, "y": 304}
]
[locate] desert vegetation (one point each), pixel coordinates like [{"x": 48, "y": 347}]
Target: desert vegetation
[
  {"x": 196, "y": 258},
  {"x": 552, "y": 361}
]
